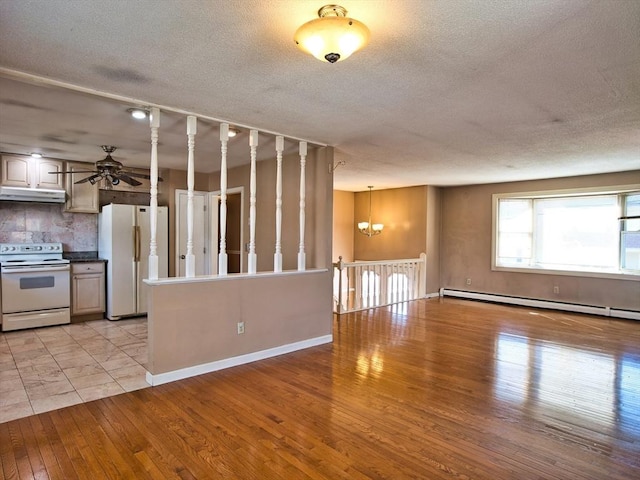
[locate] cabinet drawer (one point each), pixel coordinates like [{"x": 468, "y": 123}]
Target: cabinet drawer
[{"x": 94, "y": 267}]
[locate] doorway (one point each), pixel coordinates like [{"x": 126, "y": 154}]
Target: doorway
[{"x": 206, "y": 231}]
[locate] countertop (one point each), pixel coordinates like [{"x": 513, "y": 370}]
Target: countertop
[{"x": 80, "y": 257}]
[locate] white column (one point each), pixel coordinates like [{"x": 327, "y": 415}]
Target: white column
[
  {"x": 277, "y": 256},
  {"x": 154, "y": 123},
  {"x": 222, "y": 255},
  {"x": 302, "y": 256},
  {"x": 252, "y": 257},
  {"x": 190, "y": 262}
]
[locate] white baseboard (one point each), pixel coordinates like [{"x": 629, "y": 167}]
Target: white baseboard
[
  {"x": 529, "y": 302},
  {"x": 187, "y": 372}
]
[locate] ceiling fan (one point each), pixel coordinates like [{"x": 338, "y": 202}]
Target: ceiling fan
[{"x": 110, "y": 170}]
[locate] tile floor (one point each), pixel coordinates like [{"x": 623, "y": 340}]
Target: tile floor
[{"x": 47, "y": 368}]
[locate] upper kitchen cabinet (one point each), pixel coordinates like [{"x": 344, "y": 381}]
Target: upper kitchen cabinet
[
  {"x": 19, "y": 171},
  {"x": 81, "y": 197}
]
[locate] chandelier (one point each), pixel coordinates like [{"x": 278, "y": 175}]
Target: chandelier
[{"x": 367, "y": 228}]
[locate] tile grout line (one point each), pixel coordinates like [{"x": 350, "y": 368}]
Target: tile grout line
[{"x": 105, "y": 334}]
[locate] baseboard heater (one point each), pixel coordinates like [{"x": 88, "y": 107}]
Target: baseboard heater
[{"x": 530, "y": 302}]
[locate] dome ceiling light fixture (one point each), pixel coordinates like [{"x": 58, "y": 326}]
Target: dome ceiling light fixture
[{"x": 333, "y": 36}]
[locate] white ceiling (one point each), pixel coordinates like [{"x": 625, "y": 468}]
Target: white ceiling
[{"x": 448, "y": 92}]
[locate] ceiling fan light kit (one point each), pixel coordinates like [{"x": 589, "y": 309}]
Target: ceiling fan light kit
[
  {"x": 111, "y": 171},
  {"x": 333, "y": 36}
]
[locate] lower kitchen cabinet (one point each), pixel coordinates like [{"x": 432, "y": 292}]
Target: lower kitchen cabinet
[{"x": 87, "y": 291}]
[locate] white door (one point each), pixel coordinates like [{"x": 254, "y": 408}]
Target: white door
[{"x": 200, "y": 232}]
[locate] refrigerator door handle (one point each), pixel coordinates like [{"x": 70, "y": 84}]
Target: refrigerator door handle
[{"x": 136, "y": 245}]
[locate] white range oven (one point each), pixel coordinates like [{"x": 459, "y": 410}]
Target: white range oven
[{"x": 35, "y": 286}]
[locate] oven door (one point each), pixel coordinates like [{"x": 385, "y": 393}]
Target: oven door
[{"x": 26, "y": 289}]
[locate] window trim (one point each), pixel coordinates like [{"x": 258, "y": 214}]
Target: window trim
[{"x": 572, "y": 192}]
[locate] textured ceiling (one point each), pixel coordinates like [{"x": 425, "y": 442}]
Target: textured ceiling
[{"x": 446, "y": 93}]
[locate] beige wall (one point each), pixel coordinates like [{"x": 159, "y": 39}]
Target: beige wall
[
  {"x": 434, "y": 206},
  {"x": 403, "y": 211},
  {"x": 343, "y": 225},
  {"x": 195, "y": 323},
  {"x": 465, "y": 246}
]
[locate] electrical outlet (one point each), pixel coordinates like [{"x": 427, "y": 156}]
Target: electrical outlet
[
  {"x": 468, "y": 281},
  {"x": 556, "y": 289},
  {"x": 240, "y": 328}
]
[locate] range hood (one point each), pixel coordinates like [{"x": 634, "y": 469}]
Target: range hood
[{"x": 22, "y": 194}]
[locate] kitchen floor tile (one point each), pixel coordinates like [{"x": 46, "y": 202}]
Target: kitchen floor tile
[
  {"x": 13, "y": 396},
  {"x": 83, "y": 370},
  {"x": 100, "y": 391},
  {"x": 129, "y": 384},
  {"x": 45, "y": 389},
  {"x": 114, "y": 362},
  {"x": 74, "y": 359},
  {"x": 53, "y": 367},
  {"x": 91, "y": 380},
  {"x": 53, "y": 402},
  {"x": 7, "y": 365},
  {"x": 17, "y": 410}
]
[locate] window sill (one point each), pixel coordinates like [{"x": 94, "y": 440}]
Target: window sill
[{"x": 570, "y": 273}]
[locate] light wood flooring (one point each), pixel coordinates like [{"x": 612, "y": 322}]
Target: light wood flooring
[{"x": 432, "y": 389}]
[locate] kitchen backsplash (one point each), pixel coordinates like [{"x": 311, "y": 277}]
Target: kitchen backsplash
[{"x": 23, "y": 222}]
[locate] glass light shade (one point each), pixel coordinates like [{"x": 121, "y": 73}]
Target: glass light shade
[
  {"x": 327, "y": 36},
  {"x": 377, "y": 227},
  {"x": 363, "y": 225}
]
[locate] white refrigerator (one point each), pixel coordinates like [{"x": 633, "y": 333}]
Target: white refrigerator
[{"x": 124, "y": 233}]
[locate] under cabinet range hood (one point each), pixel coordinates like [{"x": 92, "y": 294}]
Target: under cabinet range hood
[{"x": 22, "y": 194}]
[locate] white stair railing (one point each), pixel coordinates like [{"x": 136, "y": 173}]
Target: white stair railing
[{"x": 362, "y": 285}]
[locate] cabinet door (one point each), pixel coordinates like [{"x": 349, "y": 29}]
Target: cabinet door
[
  {"x": 45, "y": 176},
  {"x": 87, "y": 290},
  {"x": 81, "y": 197},
  {"x": 15, "y": 171}
]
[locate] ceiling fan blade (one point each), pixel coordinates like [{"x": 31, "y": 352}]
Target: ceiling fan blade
[
  {"x": 89, "y": 178},
  {"x": 75, "y": 171},
  {"x": 127, "y": 179},
  {"x": 141, "y": 175}
]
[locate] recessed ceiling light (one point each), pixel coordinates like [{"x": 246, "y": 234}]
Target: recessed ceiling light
[
  {"x": 138, "y": 113},
  {"x": 232, "y": 132},
  {"x": 36, "y": 155}
]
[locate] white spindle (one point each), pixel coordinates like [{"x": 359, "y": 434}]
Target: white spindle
[
  {"x": 252, "y": 257},
  {"x": 222, "y": 256},
  {"x": 277, "y": 256},
  {"x": 190, "y": 266},
  {"x": 302, "y": 261},
  {"x": 154, "y": 123}
]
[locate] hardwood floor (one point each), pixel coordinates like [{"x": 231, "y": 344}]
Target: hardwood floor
[{"x": 438, "y": 388}]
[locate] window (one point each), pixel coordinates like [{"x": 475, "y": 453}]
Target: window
[{"x": 577, "y": 231}]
